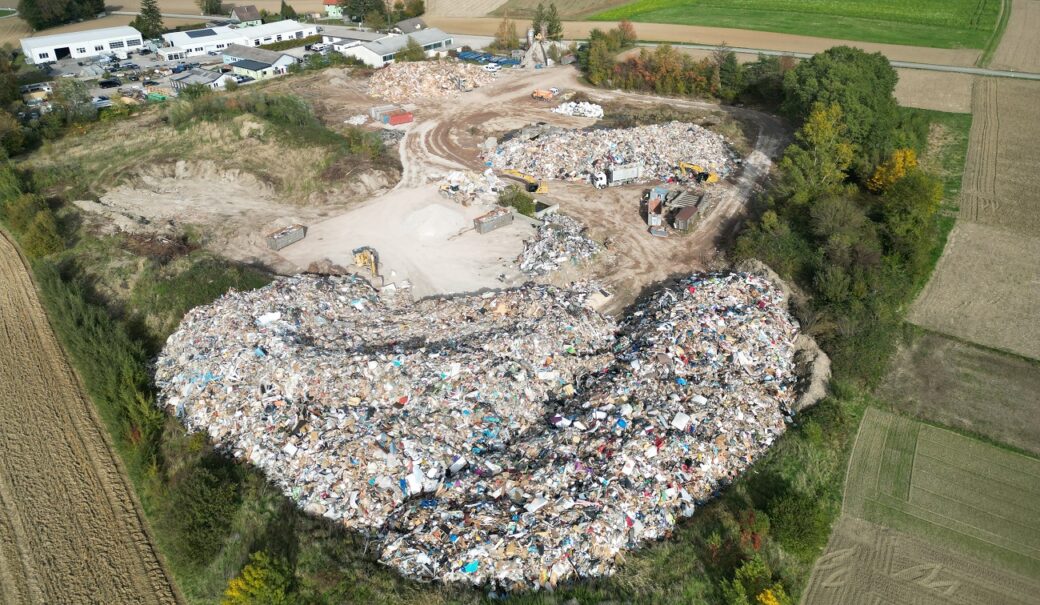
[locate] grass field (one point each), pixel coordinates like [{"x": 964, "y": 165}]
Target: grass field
[
  {"x": 948, "y": 517},
  {"x": 937, "y": 23}
]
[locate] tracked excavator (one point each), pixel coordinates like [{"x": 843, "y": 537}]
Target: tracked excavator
[
  {"x": 697, "y": 173},
  {"x": 531, "y": 184},
  {"x": 367, "y": 258}
]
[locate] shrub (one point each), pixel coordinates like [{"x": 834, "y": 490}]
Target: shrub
[
  {"x": 42, "y": 236},
  {"x": 518, "y": 199},
  {"x": 265, "y": 581},
  {"x": 20, "y": 212},
  {"x": 201, "y": 505}
]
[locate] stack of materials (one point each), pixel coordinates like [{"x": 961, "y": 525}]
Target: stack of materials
[
  {"x": 565, "y": 154},
  {"x": 560, "y": 239},
  {"x": 513, "y": 438},
  {"x": 418, "y": 81},
  {"x": 582, "y": 109}
]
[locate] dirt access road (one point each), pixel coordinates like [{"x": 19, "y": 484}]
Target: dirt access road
[
  {"x": 71, "y": 529},
  {"x": 427, "y": 239}
]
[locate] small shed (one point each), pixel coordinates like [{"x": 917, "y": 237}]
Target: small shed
[{"x": 685, "y": 218}]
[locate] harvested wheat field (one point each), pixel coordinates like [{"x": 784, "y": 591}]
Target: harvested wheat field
[
  {"x": 931, "y": 516},
  {"x": 1020, "y": 47},
  {"x": 967, "y": 387},
  {"x": 71, "y": 530},
  {"x": 985, "y": 287}
]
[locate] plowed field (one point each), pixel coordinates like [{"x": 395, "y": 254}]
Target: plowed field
[{"x": 71, "y": 529}]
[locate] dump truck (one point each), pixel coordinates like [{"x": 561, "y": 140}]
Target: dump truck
[
  {"x": 543, "y": 95},
  {"x": 617, "y": 175},
  {"x": 531, "y": 184},
  {"x": 696, "y": 172}
]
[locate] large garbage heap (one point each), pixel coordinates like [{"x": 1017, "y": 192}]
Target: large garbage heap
[
  {"x": 560, "y": 239},
  {"x": 416, "y": 81},
  {"x": 512, "y": 438},
  {"x": 568, "y": 154}
]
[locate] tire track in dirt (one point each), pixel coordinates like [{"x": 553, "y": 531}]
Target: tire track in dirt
[
  {"x": 71, "y": 530},
  {"x": 980, "y": 178}
]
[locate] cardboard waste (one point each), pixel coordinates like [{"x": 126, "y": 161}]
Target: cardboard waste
[
  {"x": 416, "y": 81},
  {"x": 582, "y": 109},
  {"x": 560, "y": 239},
  {"x": 512, "y": 438},
  {"x": 568, "y": 154}
]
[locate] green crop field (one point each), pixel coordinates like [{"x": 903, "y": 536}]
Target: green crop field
[
  {"x": 936, "y": 23},
  {"x": 931, "y": 513}
]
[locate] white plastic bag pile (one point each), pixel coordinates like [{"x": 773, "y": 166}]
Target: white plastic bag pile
[{"x": 579, "y": 108}]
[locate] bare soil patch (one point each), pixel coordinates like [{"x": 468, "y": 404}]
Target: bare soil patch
[
  {"x": 71, "y": 529},
  {"x": 731, "y": 37},
  {"x": 939, "y": 379},
  {"x": 568, "y": 10},
  {"x": 1019, "y": 49},
  {"x": 934, "y": 90}
]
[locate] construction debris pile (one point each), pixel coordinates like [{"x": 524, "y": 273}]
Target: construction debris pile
[
  {"x": 568, "y": 154},
  {"x": 560, "y": 239},
  {"x": 467, "y": 187},
  {"x": 511, "y": 438},
  {"x": 582, "y": 109},
  {"x": 357, "y": 120},
  {"x": 415, "y": 81}
]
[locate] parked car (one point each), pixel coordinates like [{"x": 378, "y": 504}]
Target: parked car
[
  {"x": 150, "y": 83},
  {"x": 492, "y": 67},
  {"x": 135, "y": 78},
  {"x": 111, "y": 83},
  {"x": 144, "y": 51}
]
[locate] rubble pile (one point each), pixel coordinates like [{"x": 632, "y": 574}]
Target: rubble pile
[
  {"x": 415, "y": 81},
  {"x": 512, "y": 438},
  {"x": 466, "y": 186},
  {"x": 568, "y": 154},
  {"x": 582, "y": 109},
  {"x": 560, "y": 239},
  {"x": 357, "y": 120}
]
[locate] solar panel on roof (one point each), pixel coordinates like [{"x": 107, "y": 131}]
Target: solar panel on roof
[{"x": 200, "y": 33}]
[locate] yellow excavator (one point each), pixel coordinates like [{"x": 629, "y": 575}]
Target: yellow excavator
[
  {"x": 532, "y": 184},
  {"x": 697, "y": 173},
  {"x": 367, "y": 258}
]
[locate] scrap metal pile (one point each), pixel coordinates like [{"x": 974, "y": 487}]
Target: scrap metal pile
[
  {"x": 579, "y": 108},
  {"x": 416, "y": 81},
  {"x": 512, "y": 438},
  {"x": 568, "y": 154},
  {"x": 560, "y": 239}
]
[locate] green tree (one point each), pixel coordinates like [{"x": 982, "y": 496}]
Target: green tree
[
  {"x": 210, "y": 7},
  {"x": 42, "y": 237},
  {"x": 600, "y": 62},
  {"x": 375, "y": 19},
  {"x": 358, "y": 9},
  {"x": 71, "y": 101},
  {"x": 816, "y": 164},
  {"x": 287, "y": 11},
  {"x": 414, "y": 8},
  {"x": 149, "y": 22},
  {"x": 553, "y": 26},
  {"x": 751, "y": 579},
  {"x": 517, "y": 198},
  {"x": 41, "y": 14},
  {"x": 264, "y": 581},
  {"x": 862, "y": 85},
  {"x": 506, "y": 36},
  {"x": 192, "y": 92},
  {"x": 908, "y": 210},
  {"x": 412, "y": 52},
  {"x": 13, "y": 137},
  {"x": 539, "y": 19},
  {"x": 201, "y": 505}
]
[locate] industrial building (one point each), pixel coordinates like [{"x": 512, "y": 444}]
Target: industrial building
[
  {"x": 205, "y": 77},
  {"x": 81, "y": 45},
  {"x": 257, "y": 63},
  {"x": 215, "y": 39},
  {"x": 382, "y": 51}
]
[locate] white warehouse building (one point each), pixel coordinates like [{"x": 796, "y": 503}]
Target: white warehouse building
[
  {"x": 383, "y": 51},
  {"x": 215, "y": 39},
  {"x": 79, "y": 45}
]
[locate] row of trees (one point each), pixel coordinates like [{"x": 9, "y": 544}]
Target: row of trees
[
  {"x": 41, "y": 14},
  {"x": 379, "y": 14},
  {"x": 507, "y": 37}
]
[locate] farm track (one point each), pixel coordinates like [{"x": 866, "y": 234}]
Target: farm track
[{"x": 71, "y": 530}]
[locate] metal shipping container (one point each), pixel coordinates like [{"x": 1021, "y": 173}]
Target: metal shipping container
[
  {"x": 276, "y": 240},
  {"x": 486, "y": 223}
]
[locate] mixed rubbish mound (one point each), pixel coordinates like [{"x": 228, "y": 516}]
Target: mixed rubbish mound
[
  {"x": 415, "y": 81},
  {"x": 569, "y": 154},
  {"x": 512, "y": 438}
]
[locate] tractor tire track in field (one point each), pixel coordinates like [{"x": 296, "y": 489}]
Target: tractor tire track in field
[
  {"x": 980, "y": 178},
  {"x": 71, "y": 529}
]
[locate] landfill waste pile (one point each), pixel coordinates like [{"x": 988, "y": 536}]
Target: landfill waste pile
[
  {"x": 415, "y": 81},
  {"x": 560, "y": 239},
  {"x": 357, "y": 120},
  {"x": 582, "y": 109},
  {"x": 568, "y": 154},
  {"x": 467, "y": 187},
  {"x": 513, "y": 438}
]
